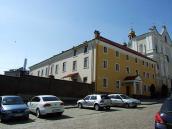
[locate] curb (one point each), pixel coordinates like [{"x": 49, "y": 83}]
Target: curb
[{"x": 68, "y": 107}]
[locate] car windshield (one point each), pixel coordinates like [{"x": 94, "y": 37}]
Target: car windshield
[
  {"x": 50, "y": 99},
  {"x": 12, "y": 101},
  {"x": 105, "y": 97},
  {"x": 124, "y": 97}
]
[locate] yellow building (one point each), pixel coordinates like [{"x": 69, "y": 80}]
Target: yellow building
[
  {"x": 122, "y": 70},
  {"x": 112, "y": 67}
]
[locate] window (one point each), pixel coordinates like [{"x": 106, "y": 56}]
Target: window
[
  {"x": 64, "y": 66},
  {"x": 74, "y": 65},
  {"x": 127, "y": 57},
  {"x": 147, "y": 64},
  {"x": 117, "y": 68},
  {"x": 85, "y": 62},
  {"x": 105, "y": 64},
  {"x": 152, "y": 65},
  {"x": 105, "y": 82},
  {"x": 144, "y": 74},
  {"x": 153, "y": 76},
  {"x": 42, "y": 73},
  {"x": 127, "y": 69},
  {"x": 38, "y": 73},
  {"x": 147, "y": 75},
  {"x": 85, "y": 49},
  {"x": 87, "y": 98},
  {"x": 85, "y": 79},
  {"x": 165, "y": 39},
  {"x": 93, "y": 98},
  {"x": 46, "y": 71},
  {"x": 35, "y": 99},
  {"x": 105, "y": 49},
  {"x": 51, "y": 70},
  {"x": 157, "y": 66},
  {"x": 137, "y": 72},
  {"x": 117, "y": 53},
  {"x": 74, "y": 52},
  {"x": 57, "y": 69},
  {"x": 143, "y": 63},
  {"x": 136, "y": 60},
  {"x": 117, "y": 84}
]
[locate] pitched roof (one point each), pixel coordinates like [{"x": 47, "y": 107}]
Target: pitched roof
[
  {"x": 122, "y": 47},
  {"x": 130, "y": 77}
]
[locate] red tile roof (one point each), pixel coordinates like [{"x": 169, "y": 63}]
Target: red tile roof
[
  {"x": 71, "y": 75},
  {"x": 122, "y": 47}
]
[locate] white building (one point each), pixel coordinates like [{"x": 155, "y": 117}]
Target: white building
[
  {"x": 157, "y": 46},
  {"x": 75, "y": 64}
]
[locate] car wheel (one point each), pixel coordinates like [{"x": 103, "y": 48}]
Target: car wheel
[
  {"x": 127, "y": 105},
  {"x": 60, "y": 113},
  {"x": 96, "y": 107},
  {"x": 1, "y": 119},
  {"x": 38, "y": 114},
  {"x": 79, "y": 105}
]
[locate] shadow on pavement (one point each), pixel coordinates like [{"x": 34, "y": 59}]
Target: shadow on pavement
[
  {"x": 55, "y": 117},
  {"x": 152, "y": 101},
  {"x": 18, "y": 121}
]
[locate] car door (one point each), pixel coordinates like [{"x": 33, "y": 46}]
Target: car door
[
  {"x": 116, "y": 100},
  {"x": 86, "y": 101},
  {"x": 92, "y": 101},
  {"x": 119, "y": 100},
  {"x": 34, "y": 104}
]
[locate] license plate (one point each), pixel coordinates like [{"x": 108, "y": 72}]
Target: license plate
[
  {"x": 19, "y": 114},
  {"x": 55, "y": 110}
]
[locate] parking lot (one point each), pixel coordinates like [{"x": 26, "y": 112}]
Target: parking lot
[{"x": 74, "y": 118}]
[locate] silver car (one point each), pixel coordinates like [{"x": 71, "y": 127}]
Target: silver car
[
  {"x": 123, "y": 100},
  {"x": 96, "y": 101}
]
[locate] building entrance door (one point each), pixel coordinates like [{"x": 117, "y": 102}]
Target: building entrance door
[{"x": 128, "y": 90}]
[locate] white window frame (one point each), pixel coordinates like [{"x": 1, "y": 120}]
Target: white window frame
[
  {"x": 64, "y": 67},
  {"x": 116, "y": 67},
  {"x": 74, "y": 66},
  {"x": 116, "y": 84},
  {"x": 105, "y": 63},
  {"x": 105, "y": 78},
  {"x": 104, "y": 49},
  {"x": 128, "y": 72},
  {"x": 87, "y": 63}
]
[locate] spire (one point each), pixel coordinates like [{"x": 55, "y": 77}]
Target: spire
[{"x": 131, "y": 34}]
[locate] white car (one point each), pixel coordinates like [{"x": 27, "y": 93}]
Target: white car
[
  {"x": 46, "y": 104},
  {"x": 123, "y": 100},
  {"x": 96, "y": 101}
]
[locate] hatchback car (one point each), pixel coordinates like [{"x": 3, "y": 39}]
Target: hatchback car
[
  {"x": 96, "y": 101},
  {"x": 46, "y": 104},
  {"x": 123, "y": 100},
  {"x": 12, "y": 107},
  {"x": 163, "y": 118}
]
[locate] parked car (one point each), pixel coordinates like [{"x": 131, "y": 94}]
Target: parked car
[
  {"x": 163, "y": 118},
  {"x": 12, "y": 107},
  {"x": 96, "y": 101},
  {"x": 46, "y": 104},
  {"x": 123, "y": 100}
]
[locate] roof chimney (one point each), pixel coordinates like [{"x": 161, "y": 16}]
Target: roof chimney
[{"x": 96, "y": 34}]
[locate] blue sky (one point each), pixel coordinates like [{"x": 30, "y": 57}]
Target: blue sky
[{"x": 39, "y": 29}]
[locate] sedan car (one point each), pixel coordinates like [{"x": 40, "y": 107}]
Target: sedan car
[
  {"x": 12, "y": 107},
  {"x": 163, "y": 118},
  {"x": 96, "y": 101},
  {"x": 123, "y": 100},
  {"x": 46, "y": 104}
]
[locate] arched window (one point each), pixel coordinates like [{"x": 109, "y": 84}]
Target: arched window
[{"x": 165, "y": 39}]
